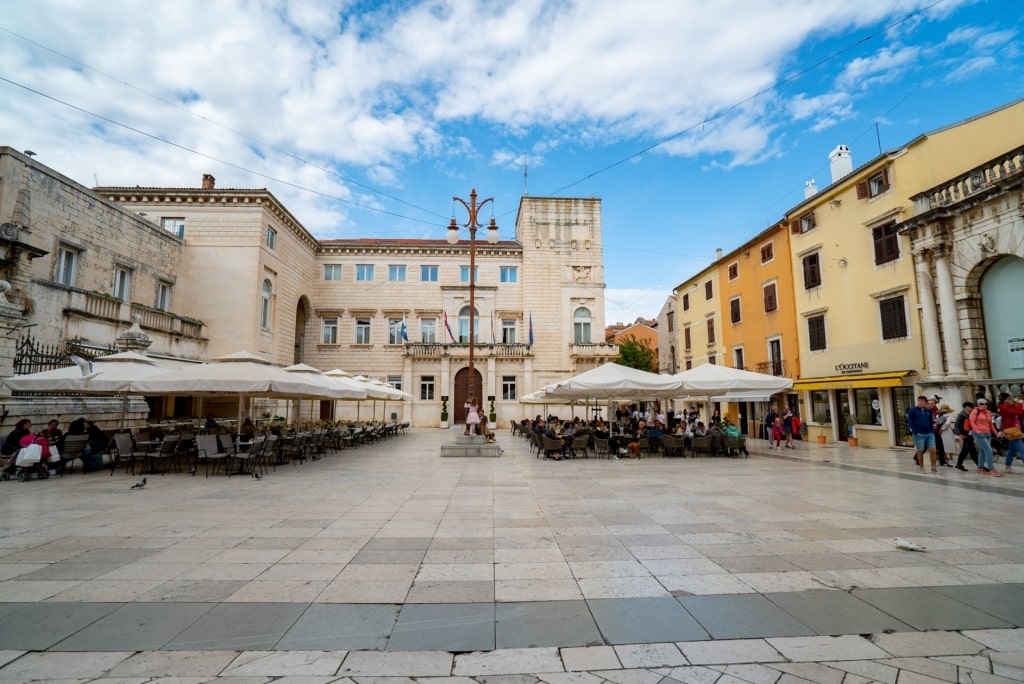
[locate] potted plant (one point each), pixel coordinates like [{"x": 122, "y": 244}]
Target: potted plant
[{"x": 444, "y": 412}]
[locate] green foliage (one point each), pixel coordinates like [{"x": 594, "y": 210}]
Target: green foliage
[{"x": 636, "y": 353}]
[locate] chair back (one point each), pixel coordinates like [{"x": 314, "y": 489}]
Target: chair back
[
  {"x": 122, "y": 442},
  {"x": 207, "y": 446},
  {"x": 226, "y": 444},
  {"x": 170, "y": 443}
]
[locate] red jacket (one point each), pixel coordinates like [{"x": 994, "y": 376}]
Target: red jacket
[{"x": 1010, "y": 413}]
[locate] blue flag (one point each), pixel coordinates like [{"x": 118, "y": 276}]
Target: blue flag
[
  {"x": 531, "y": 328},
  {"x": 405, "y": 333}
]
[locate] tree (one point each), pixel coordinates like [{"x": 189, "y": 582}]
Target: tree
[{"x": 636, "y": 353}]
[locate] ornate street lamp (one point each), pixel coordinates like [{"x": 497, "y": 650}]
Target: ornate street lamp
[{"x": 453, "y": 237}]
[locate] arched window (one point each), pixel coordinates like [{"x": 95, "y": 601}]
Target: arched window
[
  {"x": 464, "y": 325},
  {"x": 581, "y": 325},
  {"x": 265, "y": 305}
]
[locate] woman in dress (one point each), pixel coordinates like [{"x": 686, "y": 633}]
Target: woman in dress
[{"x": 472, "y": 416}]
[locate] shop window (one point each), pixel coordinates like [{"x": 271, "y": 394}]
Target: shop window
[
  {"x": 868, "y": 406},
  {"x": 821, "y": 412}
]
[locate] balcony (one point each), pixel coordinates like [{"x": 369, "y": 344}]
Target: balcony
[
  {"x": 975, "y": 181},
  {"x": 435, "y": 350},
  {"x": 593, "y": 350},
  {"x": 776, "y": 368}
]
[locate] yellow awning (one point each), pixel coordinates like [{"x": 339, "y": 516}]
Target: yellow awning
[{"x": 852, "y": 381}]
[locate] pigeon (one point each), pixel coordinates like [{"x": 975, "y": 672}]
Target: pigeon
[
  {"x": 257, "y": 476},
  {"x": 908, "y": 545},
  {"x": 140, "y": 484}
]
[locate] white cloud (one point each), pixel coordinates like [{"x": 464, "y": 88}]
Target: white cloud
[{"x": 626, "y": 305}]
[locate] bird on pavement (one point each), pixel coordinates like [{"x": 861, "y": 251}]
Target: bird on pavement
[
  {"x": 908, "y": 545},
  {"x": 257, "y": 476},
  {"x": 140, "y": 484}
]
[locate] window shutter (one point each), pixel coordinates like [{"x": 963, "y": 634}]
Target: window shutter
[
  {"x": 686, "y": 337},
  {"x": 894, "y": 322},
  {"x": 734, "y": 310},
  {"x": 863, "y": 191},
  {"x": 711, "y": 331},
  {"x": 885, "y": 178},
  {"x": 794, "y": 227},
  {"x": 769, "y": 298}
]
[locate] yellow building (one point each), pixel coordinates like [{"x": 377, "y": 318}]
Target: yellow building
[
  {"x": 758, "y": 321},
  {"x": 855, "y": 289}
]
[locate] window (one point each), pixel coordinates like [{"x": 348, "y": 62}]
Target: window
[
  {"x": 686, "y": 338},
  {"x": 737, "y": 357},
  {"x": 265, "y": 302},
  {"x": 775, "y": 365},
  {"x": 816, "y": 333},
  {"x": 329, "y": 328},
  {"x": 364, "y": 272},
  {"x": 803, "y": 224},
  {"x": 67, "y": 266},
  {"x": 428, "y": 330},
  {"x": 427, "y": 387},
  {"x": 163, "y": 295},
  {"x": 771, "y": 302},
  {"x": 395, "y": 381},
  {"x": 508, "y": 387},
  {"x": 271, "y": 238},
  {"x": 396, "y": 273},
  {"x": 332, "y": 271},
  {"x": 509, "y": 274},
  {"x": 428, "y": 274},
  {"x": 875, "y": 185},
  {"x": 894, "y": 318},
  {"x": 712, "y": 359},
  {"x": 734, "y": 272},
  {"x": 581, "y": 325},
  {"x": 812, "y": 271},
  {"x": 686, "y": 302},
  {"x": 508, "y": 332},
  {"x": 362, "y": 331},
  {"x": 821, "y": 412},
  {"x": 767, "y": 253},
  {"x": 122, "y": 283},
  {"x": 395, "y": 331},
  {"x": 174, "y": 226},
  {"x": 735, "y": 315},
  {"x": 464, "y": 325},
  {"x": 708, "y": 290},
  {"x": 670, "y": 319},
  {"x": 711, "y": 331},
  {"x": 689, "y": 364},
  {"x": 887, "y": 243},
  {"x": 867, "y": 406},
  {"x": 464, "y": 274}
]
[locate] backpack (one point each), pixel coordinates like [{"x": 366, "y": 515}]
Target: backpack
[{"x": 960, "y": 424}]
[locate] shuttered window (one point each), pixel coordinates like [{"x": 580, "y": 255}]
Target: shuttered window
[
  {"x": 686, "y": 337},
  {"x": 887, "y": 243},
  {"x": 771, "y": 302},
  {"x": 735, "y": 315},
  {"x": 711, "y": 331},
  {"x": 816, "y": 332},
  {"x": 894, "y": 318},
  {"x": 767, "y": 253},
  {"x": 812, "y": 271}
]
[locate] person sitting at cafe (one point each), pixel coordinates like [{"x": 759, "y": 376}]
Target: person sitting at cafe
[
  {"x": 731, "y": 430},
  {"x": 211, "y": 423},
  {"x": 51, "y": 432},
  {"x": 248, "y": 430}
]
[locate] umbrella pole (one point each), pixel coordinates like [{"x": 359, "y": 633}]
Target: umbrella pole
[{"x": 238, "y": 425}]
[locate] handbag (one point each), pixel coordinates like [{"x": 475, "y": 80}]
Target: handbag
[{"x": 1012, "y": 433}]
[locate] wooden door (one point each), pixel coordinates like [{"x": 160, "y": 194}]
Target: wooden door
[{"x": 463, "y": 391}]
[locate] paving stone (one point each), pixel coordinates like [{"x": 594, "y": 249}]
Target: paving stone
[
  {"x": 589, "y": 658},
  {"x": 542, "y": 623},
  {"x": 340, "y": 626},
  {"x": 998, "y": 639},
  {"x": 390, "y": 664},
  {"x": 902, "y": 644},
  {"x": 284, "y": 663},
  {"x": 174, "y": 664},
  {"x": 926, "y": 667},
  {"x": 927, "y": 609},
  {"x": 508, "y": 661},
  {"x": 649, "y": 655},
  {"x": 805, "y": 649},
  {"x": 729, "y": 651},
  {"x": 645, "y": 620},
  {"x": 742, "y": 616},
  {"x": 444, "y": 627}
]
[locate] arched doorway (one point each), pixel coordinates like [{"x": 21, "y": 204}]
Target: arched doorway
[
  {"x": 301, "y": 319},
  {"x": 1004, "y": 334},
  {"x": 462, "y": 393}
]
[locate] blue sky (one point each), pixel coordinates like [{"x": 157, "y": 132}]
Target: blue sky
[{"x": 697, "y": 123}]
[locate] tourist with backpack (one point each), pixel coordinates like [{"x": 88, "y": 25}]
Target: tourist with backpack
[{"x": 962, "y": 434}]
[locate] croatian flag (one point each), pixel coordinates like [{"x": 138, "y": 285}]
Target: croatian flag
[
  {"x": 448, "y": 327},
  {"x": 492, "y": 329},
  {"x": 531, "y": 328},
  {"x": 405, "y": 333}
]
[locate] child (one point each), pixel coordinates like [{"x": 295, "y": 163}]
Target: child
[{"x": 778, "y": 432}]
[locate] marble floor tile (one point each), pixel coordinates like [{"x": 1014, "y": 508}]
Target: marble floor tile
[{"x": 535, "y": 590}]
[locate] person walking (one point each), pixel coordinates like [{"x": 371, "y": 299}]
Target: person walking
[
  {"x": 982, "y": 429},
  {"x": 1010, "y": 413},
  {"x": 920, "y": 421},
  {"x": 962, "y": 434}
]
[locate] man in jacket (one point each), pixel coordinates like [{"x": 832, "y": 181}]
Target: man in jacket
[
  {"x": 920, "y": 421},
  {"x": 962, "y": 432}
]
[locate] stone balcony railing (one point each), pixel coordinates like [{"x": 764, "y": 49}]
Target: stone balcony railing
[
  {"x": 977, "y": 180},
  {"x": 435, "y": 350},
  {"x": 596, "y": 350}
]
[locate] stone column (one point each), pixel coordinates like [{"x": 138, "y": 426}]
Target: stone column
[
  {"x": 929, "y": 316},
  {"x": 948, "y": 312}
]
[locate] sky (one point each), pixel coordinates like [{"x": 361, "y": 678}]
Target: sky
[{"x": 696, "y": 123}]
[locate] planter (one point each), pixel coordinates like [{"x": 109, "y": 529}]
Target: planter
[
  {"x": 822, "y": 439},
  {"x": 444, "y": 424},
  {"x": 852, "y": 441}
]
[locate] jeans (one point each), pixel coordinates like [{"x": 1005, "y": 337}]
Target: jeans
[
  {"x": 967, "y": 450},
  {"x": 984, "y": 444},
  {"x": 1016, "y": 447}
]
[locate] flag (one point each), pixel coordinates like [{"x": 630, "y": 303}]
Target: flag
[
  {"x": 531, "y": 329},
  {"x": 492, "y": 329},
  {"x": 448, "y": 327},
  {"x": 405, "y": 333}
]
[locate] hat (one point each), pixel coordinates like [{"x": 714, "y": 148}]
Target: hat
[
  {"x": 982, "y": 400},
  {"x": 945, "y": 409},
  {"x": 935, "y": 397}
]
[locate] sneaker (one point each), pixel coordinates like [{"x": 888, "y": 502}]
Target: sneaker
[
  {"x": 923, "y": 470},
  {"x": 935, "y": 471},
  {"x": 996, "y": 473},
  {"x": 1008, "y": 470}
]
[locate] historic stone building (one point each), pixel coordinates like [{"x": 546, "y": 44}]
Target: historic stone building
[
  {"x": 967, "y": 240},
  {"x": 207, "y": 271}
]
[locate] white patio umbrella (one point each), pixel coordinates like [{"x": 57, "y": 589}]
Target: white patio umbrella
[
  {"x": 335, "y": 387},
  {"x": 115, "y": 374},
  {"x": 614, "y": 381},
  {"x": 241, "y": 374},
  {"x": 711, "y": 380}
]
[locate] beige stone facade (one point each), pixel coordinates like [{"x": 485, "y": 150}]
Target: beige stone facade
[{"x": 239, "y": 272}]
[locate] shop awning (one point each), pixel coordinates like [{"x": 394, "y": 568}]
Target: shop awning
[{"x": 893, "y": 379}]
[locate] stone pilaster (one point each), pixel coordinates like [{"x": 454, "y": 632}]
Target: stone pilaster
[
  {"x": 929, "y": 316},
  {"x": 947, "y": 309}
]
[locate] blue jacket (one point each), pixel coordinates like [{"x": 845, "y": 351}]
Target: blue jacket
[{"x": 921, "y": 421}]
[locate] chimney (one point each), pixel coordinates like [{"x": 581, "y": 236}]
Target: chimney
[
  {"x": 208, "y": 181},
  {"x": 840, "y": 162},
  {"x": 718, "y": 254},
  {"x": 810, "y": 189}
]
